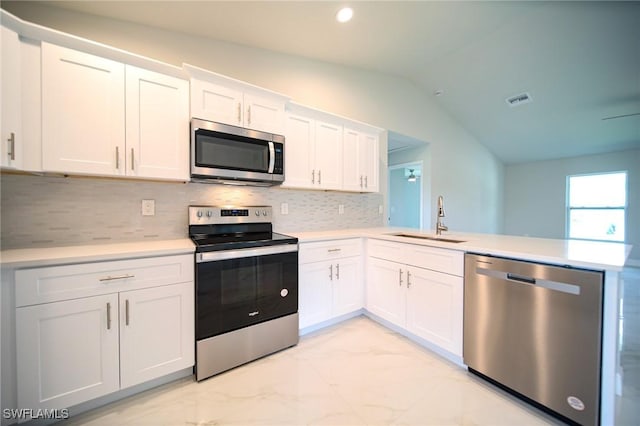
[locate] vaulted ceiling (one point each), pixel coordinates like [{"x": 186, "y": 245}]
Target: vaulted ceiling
[{"x": 578, "y": 61}]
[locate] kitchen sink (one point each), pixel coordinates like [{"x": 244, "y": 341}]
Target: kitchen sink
[{"x": 427, "y": 237}]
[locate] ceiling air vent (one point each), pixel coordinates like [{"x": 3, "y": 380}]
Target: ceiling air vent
[{"x": 517, "y": 100}]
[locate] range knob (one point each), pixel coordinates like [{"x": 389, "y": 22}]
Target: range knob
[
  {"x": 209, "y": 213},
  {"x": 199, "y": 214},
  {"x": 257, "y": 213},
  {"x": 264, "y": 212}
]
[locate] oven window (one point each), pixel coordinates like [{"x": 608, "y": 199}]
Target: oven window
[
  {"x": 235, "y": 293},
  {"x": 231, "y": 152}
]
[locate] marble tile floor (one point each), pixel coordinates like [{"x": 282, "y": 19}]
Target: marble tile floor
[{"x": 355, "y": 373}]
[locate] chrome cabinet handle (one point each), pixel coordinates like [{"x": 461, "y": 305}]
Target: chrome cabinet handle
[
  {"x": 313, "y": 176},
  {"x": 331, "y": 272},
  {"x": 249, "y": 114},
  {"x": 337, "y": 271},
  {"x": 12, "y": 146},
  {"x": 319, "y": 177},
  {"x": 126, "y": 312},
  {"x": 400, "y": 280},
  {"x": 360, "y": 181},
  {"x": 408, "y": 279},
  {"x": 108, "y": 316},
  {"x": 334, "y": 250},
  {"x": 117, "y": 157},
  {"x": 132, "y": 159},
  {"x": 239, "y": 113},
  {"x": 119, "y": 277},
  {"x": 366, "y": 181}
]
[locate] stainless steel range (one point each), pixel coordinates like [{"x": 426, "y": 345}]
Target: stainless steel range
[{"x": 246, "y": 287}]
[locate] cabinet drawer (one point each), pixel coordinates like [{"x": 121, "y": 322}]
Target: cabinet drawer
[
  {"x": 50, "y": 284},
  {"x": 327, "y": 250},
  {"x": 386, "y": 250},
  {"x": 435, "y": 259}
]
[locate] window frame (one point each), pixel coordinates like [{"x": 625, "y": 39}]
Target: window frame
[{"x": 568, "y": 207}]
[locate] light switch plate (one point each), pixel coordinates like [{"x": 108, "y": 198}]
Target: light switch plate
[
  {"x": 380, "y": 209},
  {"x": 148, "y": 207}
]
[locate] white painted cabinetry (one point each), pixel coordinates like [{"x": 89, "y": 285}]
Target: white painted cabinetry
[
  {"x": 10, "y": 119},
  {"x": 221, "y": 99},
  {"x": 418, "y": 288},
  {"x": 102, "y": 117},
  {"x": 87, "y": 330},
  {"x": 157, "y": 125},
  {"x": 313, "y": 152},
  {"x": 360, "y": 161},
  {"x": 330, "y": 280}
]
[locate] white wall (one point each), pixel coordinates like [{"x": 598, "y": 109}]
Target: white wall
[
  {"x": 535, "y": 198},
  {"x": 464, "y": 171}
]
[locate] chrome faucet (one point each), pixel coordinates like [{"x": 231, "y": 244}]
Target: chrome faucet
[{"x": 439, "y": 225}]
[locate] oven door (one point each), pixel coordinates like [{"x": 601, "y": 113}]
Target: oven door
[{"x": 238, "y": 288}]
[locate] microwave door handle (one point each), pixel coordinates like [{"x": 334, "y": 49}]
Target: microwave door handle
[{"x": 272, "y": 157}]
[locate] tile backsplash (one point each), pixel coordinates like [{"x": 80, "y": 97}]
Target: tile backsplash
[{"x": 43, "y": 211}]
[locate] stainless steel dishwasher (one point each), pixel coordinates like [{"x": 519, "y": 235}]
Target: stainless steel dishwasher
[{"x": 536, "y": 330}]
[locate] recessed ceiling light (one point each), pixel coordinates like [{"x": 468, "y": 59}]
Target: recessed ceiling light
[{"x": 344, "y": 15}]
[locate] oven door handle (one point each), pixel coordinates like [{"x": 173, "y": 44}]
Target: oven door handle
[{"x": 248, "y": 252}]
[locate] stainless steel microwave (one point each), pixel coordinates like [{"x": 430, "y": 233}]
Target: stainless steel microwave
[{"x": 228, "y": 154}]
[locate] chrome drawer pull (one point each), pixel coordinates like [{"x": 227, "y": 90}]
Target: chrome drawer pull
[
  {"x": 334, "y": 250},
  {"x": 119, "y": 277}
]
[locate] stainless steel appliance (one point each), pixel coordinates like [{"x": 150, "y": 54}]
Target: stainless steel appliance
[
  {"x": 246, "y": 287},
  {"x": 536, "y": 330},
  {"x": 229, "y": 154}
]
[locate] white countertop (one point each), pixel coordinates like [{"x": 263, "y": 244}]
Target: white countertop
[
  {"x": 26, "y": 258},
  {"x": 586, "y": 254}
]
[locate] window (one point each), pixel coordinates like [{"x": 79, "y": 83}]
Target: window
[{"x": 596, "y": 206}]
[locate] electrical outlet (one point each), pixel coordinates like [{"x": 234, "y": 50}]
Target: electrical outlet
[
  {"x": 341, "y": 209},
  {"x": 284, "y": 208},
  {"x": 148, "y": 207},
  {"x": 380, "y": 209}
]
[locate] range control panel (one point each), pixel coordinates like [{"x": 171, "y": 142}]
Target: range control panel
[{"x": 213, "y": 215}]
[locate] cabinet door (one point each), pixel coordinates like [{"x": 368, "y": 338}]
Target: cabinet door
[
  {"x": 369, "y": 157},
  {"x": 215, "y": 102},
  {"x": 352, "y": 177},
  {"x": 386, "y": 290},
  {"x": 67, "y": 352},
  {"x": 10, "y": 119},
  {"x": 328, "y": 155},
  {"x": 298, "y": 166},
  {"x": 82, "y": 112},
  {"x": 157, "y": 125},
  {"x": 315, "y": 293},
  {"x": 434, "y": 308},
  {"x": 156, "y": 332},
  {"x": 262, "y": 113},
  {"x": 348, "y": 291}
]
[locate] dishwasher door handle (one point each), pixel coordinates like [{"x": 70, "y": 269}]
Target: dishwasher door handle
[{"x": 523, "y": 279}]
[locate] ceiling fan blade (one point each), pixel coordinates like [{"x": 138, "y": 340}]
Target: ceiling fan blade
[{"x": 621, "y": 116}]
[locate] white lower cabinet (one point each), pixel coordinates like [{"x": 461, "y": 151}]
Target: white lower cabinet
[
  {"x": 333, "y": 286},
  {"x": 424, "y": 301},
  {"x": 72, "y": 351},
  {"x": 67, "y": 351}
]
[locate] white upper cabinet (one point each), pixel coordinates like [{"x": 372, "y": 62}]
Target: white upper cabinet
[
  {"x": 327, "y": 152},
  {"x": 360, "y": 161},
  {"x": 83, "y": 113},
  {"x": 328, "y": 155},
  {"x": 102, "y": 117},
  {"x": 224, "y": 100},
  {"x": 10, "y": 120},
  {"x": 157, "y": 125}
]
